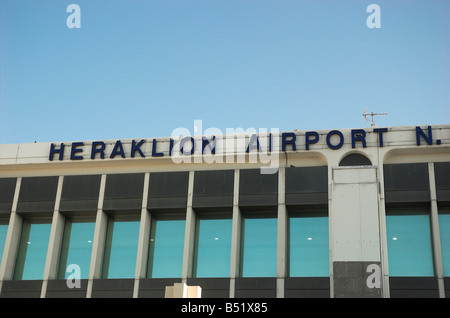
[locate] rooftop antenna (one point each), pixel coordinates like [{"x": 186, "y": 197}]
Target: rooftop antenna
[{"x": 372, "y": 114}]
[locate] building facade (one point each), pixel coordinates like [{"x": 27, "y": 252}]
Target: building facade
[{"x": 330, "y": 213}]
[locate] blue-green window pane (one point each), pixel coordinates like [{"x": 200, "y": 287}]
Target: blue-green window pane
[
  {"x": 259, "y": 247},
  {"x": 409, "y": 245},
  {"x": 121, "y": 249},
  {"x": 3, "y": 231},
  {"x": 444, "y": 229},
  {"x": 308, "y": 247},
  {"x": 32, "y": 253},
  {"x": 213, "y": 248},
  {"x": 166, "y": 248},
  {"x": 76, "y": 248}
]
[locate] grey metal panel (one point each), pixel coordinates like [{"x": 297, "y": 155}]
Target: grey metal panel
[
  {"x": 413, "y": 287},
  {"x": 80, "y": 193},
  {"x": 307, "y": 287},
  {"x": 21, "y": 289},
  {"x": 306, "y": 185},
  {"x": 255, "y": 287},
  {"x": 406, "y": 176},
  {"x": 37, "y": 194},
  {"x": 212, "y": 287},
  {"x": 213, "y": 188},
  {"x": 59, "y": 289},
  {"x": 258, "y": 200},
  {"x": 155, "y": 287},
  {"x": 257, "y": 189},
  {"x": 7, "y": 188},
  {"x": 112, "y": 288},
  {"x": 123, "y": 191},
  {"x": 406, "y": 182},
  {"x": 413, "y": 197},
  {"x": 355, "y": 224},
  {"x": 442, "y": 177},
  {"x": 122, "y": 204},
  {"x": 306, "y": 179},
  {"x": 306, "y": 199},
  {"x": 168, "y": 190}
]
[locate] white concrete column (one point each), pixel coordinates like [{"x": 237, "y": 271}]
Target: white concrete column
[
  {"x": 12, "y": 239},
  {"x": 435, "y": 234},
  {"x": 383, "y": 235},
  {"x": 144, "y": 236},
  {"x": 54, "y": 245},
  {"x": 189, "y": 235},
  {"x": 355, "y": 231},
  {"x": 282, "y": 234},
  {"x": 98, "y": 246},
  {"x": 330, "y": 228},
  {"x": 235, "y": 236}
]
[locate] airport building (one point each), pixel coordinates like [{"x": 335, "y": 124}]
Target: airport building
[{"x": 328, "y": 213}]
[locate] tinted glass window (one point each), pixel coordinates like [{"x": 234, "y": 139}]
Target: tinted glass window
[
  {"x": 32, "y": 253},
  {"x": 166, "y": 248},
  {"x": 409, "y": 245},
  {"x": 121, "y": 249},
  {"x": 213, "y": 248},
  {"x": 76, "y": 248},
  {"x": 259, "y": 247},
  {"x": 308, "y": 246}
]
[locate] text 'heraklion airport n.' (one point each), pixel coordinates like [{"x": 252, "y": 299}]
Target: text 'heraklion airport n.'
[{"x": 256, "y": 143}]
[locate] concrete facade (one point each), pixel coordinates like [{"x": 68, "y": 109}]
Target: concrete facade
[{"x": 354, "y": 194}]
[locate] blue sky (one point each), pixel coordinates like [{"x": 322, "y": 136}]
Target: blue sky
[{"x": 140, "y": 69}]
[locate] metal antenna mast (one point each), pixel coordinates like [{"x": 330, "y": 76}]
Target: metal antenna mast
[{"x": 365, "y": 114}]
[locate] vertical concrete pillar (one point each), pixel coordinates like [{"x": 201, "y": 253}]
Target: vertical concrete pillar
[
  {"x": 282, "y": 235},
  {"x": 434, "y": 219},
  {"x": 55, "y": 241},
  {"x": 189, "y": 236},
  {"x": 98, "y": 246},
  {"x": 235, "y": 236},
  {"x": 383, "y": 236},
  {"x": 356, "y": 254},
  {"x": 12, "y": 239},
  {"x": 144, "y": 238}
]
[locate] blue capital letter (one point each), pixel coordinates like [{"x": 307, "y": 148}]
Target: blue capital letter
[
  {"x": 75, "y": 150},
  {"x": 95, "y": 150},
  {"x": 154, "y": 153},
  {"x": 311, "y": 141},
  {"x": 137, "y": 147},
  {"x": 53, "y": 151},
  {"x": 206, "y": 142},
  {"x": 284, "y": 142},
  {"x": 341, "y": 141},
  {"x": 420, "y": 132},
  {"x": 361, "y": 137},
  {"x": 118, "y": 150},
  {"x": 380, "y": 132}
]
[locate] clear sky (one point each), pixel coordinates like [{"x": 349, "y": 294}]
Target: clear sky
[{"x": 140, "y": 69}]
